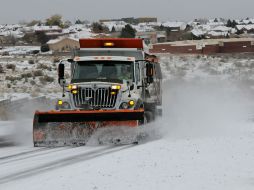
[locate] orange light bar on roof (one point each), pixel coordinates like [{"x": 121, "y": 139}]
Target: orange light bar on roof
[{"x": 111, "y": 43}]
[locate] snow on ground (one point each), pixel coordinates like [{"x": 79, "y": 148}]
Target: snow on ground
[
  {"x": 205, "y": 139},
  {"x": 17, "y": 50},
  {"x": 29, "y": 75}
]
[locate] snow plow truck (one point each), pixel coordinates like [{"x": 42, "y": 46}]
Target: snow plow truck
[{"x": 113, "y": 83}]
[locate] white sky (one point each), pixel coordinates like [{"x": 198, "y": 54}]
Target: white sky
[{"x": 13, "y": 11}]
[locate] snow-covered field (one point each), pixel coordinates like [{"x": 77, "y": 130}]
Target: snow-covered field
[
  {"x": 17, "y": 50},
  {"x": 205, "y": 139}
]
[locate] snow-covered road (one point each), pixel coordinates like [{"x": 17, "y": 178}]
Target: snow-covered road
[{"x": 209, "y": 163}]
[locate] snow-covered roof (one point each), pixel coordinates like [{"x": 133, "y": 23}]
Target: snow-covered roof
[
  {"x": 213, "y": 23},
  {"x": 86, "y": 33},
  {"x": 118, "y": 25},
  {"x": 247, "y": 27},
  {"x": 143, "y": 28},
  {"x": 175, "y": 24},
  {"x": 214, "y": 33},
  {"x": 221, "y": 28},
  {"x": 46, "y": 28},
  {"x": 198, "y": 32},
  {"x": 17, "y": 34},
  {"x": 245, "y": 21},
  {"x": 60, "y": 39},
  {"x": 161, "y": 35}
]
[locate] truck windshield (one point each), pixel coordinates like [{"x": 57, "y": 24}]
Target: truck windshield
[{"x": 105, "y": 71}]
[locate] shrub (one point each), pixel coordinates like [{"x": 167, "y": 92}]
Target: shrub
[
  {"x": 43, "y": 67},
  {"x": 56, "y": 59},
  {"x": 12, "y": 78},
  {"x": 32, "y": 82},
  {"x": 8, "y": 85},
  {"x": 1, "y": 69},
  {"x": 26, "y": 75},
  {"x": 42, "y": 80},
  {"x": 31, "y": 61},
  {"x": 11, "y": 66},
  {"x": 49, "y": 78},
  {"x": 46, "y": 79},
  {"x": 38, "y": 73},
  {"x": 128, "y": 32}
]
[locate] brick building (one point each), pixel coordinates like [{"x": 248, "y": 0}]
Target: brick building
[{"x": 234, "y": 45}]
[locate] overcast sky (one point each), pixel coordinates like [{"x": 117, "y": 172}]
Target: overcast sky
[{"x": 14, "y": 11}]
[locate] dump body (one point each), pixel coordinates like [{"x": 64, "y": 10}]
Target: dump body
[{"x": 112, "y": 85}]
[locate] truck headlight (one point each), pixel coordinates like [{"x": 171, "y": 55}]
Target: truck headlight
[
  {"x": 116, "y": 87},
  {"x": 72, "y": 87}
]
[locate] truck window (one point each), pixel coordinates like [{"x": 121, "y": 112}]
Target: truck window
[
  {"x": 137, "y": 72},
  {"x": 108, "y": 71}
]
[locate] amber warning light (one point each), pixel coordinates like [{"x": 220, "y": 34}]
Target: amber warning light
[{"x": 111, "y": 43}]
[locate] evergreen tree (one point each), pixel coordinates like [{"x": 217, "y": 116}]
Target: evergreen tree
[
  {"x": 113, "y": 29},
  {"x": 128, "y": 32},
  {"x": 229, "y": 23},
  {"x": 78, "y": 22},
  {"x": 234, "y": 23}
]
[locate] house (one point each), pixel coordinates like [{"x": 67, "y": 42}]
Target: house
[
  {"x": 249, "y": 29},
  {"x": 175, "y": 26},
  {"x": 219, "y": 32},
  {"x": 152, "y": 37},
  {"x": 64, "y": 44}
]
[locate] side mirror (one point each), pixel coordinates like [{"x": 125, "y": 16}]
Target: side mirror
[
  {"x": 61, "y": 73},
  {"x": 149, "y": 72},
  {"x": 132, "y": 87}
]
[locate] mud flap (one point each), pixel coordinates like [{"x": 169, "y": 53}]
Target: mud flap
[{"x": 60, "y": 128}]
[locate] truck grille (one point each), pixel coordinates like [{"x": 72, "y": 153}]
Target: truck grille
[{"x": 95, "y": 98}]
